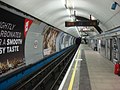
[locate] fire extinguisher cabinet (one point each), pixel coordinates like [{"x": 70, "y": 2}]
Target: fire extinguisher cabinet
[{"x": 117, "y": 69}]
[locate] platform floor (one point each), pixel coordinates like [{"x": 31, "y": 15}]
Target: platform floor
[{"x": 94, "y": 72}]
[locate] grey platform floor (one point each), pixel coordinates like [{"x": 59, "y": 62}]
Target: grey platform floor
[{"x": 94, "y": 72}]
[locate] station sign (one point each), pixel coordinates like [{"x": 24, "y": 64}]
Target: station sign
[{"x": 81, "y": 23}]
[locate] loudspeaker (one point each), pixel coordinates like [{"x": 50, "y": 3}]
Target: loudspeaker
[{"x": 113, "y": 7}]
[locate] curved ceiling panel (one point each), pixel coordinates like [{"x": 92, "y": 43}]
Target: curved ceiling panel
[{"x": 55, "y": 13}]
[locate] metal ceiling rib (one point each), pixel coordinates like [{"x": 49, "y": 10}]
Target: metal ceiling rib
[{"x": 54, "y": 12}]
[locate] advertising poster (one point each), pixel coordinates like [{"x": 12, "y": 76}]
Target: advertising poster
[
  {"x": 49, "y": 41},
  {"x": 61, "y": 42},
  {"x": 70, "y": 41},
  {"x": 13, "y": 30},
  {"x": 67, "y": 40}
]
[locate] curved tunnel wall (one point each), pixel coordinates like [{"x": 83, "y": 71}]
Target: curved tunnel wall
[{"x": 38, "y": 40}]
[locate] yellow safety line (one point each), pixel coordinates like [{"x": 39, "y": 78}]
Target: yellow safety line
[{"x": 73, "y": 74}]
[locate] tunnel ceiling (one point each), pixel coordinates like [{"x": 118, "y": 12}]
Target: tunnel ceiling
[{"x": 56, "y": 12}]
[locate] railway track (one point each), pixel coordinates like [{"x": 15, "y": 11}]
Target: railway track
[{"x": 49, "y": 77}]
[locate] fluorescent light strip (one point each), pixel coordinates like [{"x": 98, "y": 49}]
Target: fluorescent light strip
[{"x": 63, "y": 1}]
